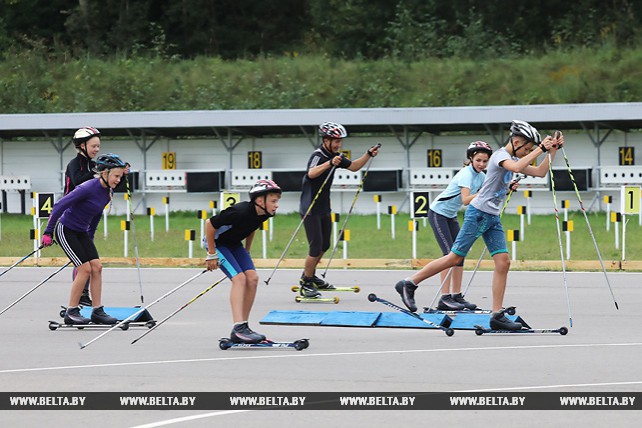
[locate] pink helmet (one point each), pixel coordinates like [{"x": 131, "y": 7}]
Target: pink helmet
[
  {"x": 478, "y": 146},
  {"x": 263, "y": 187}
]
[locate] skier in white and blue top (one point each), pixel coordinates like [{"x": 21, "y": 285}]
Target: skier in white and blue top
[
  {"x": 523, "y": 147},
  {"x": 443, "y": 219}
]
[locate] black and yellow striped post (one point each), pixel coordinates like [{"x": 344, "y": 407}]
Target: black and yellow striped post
[
  {"x": 413, "y": 227},
  {"x": 566, "y": 204},
  {"x": 151, "y": 212},
  {"x": 512, "y": 235},
  {"x": 616, "y": 218},
  {"x": 528, "y": 194},
  {"x": 335, "y": 217},
  {"x": 265, "y": 226},
  {"x": 213, "y": 206},
  {"x": 345, "y": 238},
  {"x": 105, "y": 215},
  {"x": 166, "y": 203},
  {"x": 392, "y": 210},
  {"x": 377, "y": 199},
  {"x": 522, "y": 210},
  {"x": 125, "y": 226},
  {"x": 608, "y": 200},
  {"x": 202, "y": 215},
  {"x": 567, "y": 227},
  {"x": 190, "y": 236}
]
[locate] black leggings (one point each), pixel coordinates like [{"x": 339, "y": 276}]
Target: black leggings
[
  {"x": 77, "y": 245},
  {"x": 445, "y": 230}
]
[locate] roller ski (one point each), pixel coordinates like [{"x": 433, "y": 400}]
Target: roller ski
[
  {"x": 511, "y": 310},
  {"x": 303, "y": 299},
  {"x": 85, "y": 318},
  {"x": 226, "y": 343},
  {"x": 354, "y": 289},
  {"x": 479, "y": 330},
  {"x": 373, "y": 298},
  {"x": 308, "y": 293}
]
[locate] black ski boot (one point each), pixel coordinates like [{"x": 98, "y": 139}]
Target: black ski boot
[
  {"x": 241, "y": 333},
  {"x": 498, "y": 321},
  {"x": 406, "y": 290},
  {"x": 308, "y": 289},
  {"x": 460, "y": 299},
  {"x": 263, "y": 337},
  {"x": 73, "y": 317},
  {"x": 322, "y": 284},
  {"x": 85, "y": 300},
  {"x": 447, "y": 303},
  {"x": 99, "y": 316}
]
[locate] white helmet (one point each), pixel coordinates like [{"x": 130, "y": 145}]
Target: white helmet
[{"x": 524, "y": 129}]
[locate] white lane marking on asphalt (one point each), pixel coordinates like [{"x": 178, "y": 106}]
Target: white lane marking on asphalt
[
  {"x": 188, "y": 418},
  {"x": 569, "y": 385},
  {"x": 308, "y": 355}
]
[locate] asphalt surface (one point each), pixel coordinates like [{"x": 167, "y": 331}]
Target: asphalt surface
[{"x": 601, "y": 353}]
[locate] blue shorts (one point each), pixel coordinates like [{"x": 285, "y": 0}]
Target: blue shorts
[
  {"x": 478, "y": 223},
  {"x": 234, "y": 260}
]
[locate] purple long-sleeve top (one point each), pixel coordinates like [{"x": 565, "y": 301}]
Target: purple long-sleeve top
[{"x": 81, "y": 209}]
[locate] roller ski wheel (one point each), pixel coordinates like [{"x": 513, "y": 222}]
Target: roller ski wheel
[
  {"x": 150, "y": 324},
  {"x": 354, "y": 289},
  {"x": 299, "y": 345},
  {"x": 301, "y": 299}
]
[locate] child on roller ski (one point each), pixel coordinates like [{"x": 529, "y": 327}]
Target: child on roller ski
[
  {"x": 224, "y": 233},
  {"x": 318, "y": 224},
  {"x": 73, "y": 222},
  {"x": 482, "y": 216},
  {"x": 81, "y": 169},
  {"x": 443, "y": 219}
]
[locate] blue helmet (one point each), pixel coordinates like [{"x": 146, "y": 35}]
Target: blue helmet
[{"x": 109, "y": 161}]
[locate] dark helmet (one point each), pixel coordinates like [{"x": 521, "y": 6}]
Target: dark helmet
[
  {"x": 332, "y": 130},
  {"x": 84, "y": 134},
  {"x": 263, "y": 187},
  {"x": 478, "y": 146},
  {"x": 524, "y": 129},
  {"x": 109, "y": 161}
]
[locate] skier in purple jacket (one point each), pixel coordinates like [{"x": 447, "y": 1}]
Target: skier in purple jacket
[{"x": 73, "y": 222}]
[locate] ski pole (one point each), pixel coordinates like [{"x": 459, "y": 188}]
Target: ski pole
[
  {"x": 559, "y": 237},
  {"x": 345, "y": 221},
  {"x": 131, "y": 214},
  {"x": 158, "y": 324},
  {"x": 588, "y": 224},
  {"x": 510, "y": 193},
  {"x": 141, "y": 310},
  {"x": 287, "y": 247},
  {"x": 22, "y": 259},
  {"x": 34, "y": 289}
]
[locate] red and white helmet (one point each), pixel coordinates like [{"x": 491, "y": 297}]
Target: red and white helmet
[
  {"x": 478, "y": 146},
  {"x": 84, "y": 134},
  {"x": 332, "y": 130},
  {"x": 263, "y": 187}
]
